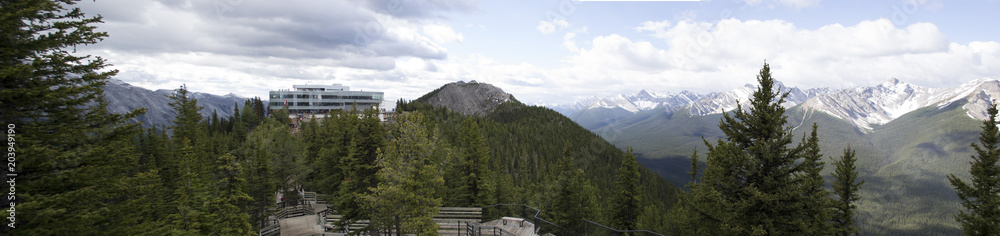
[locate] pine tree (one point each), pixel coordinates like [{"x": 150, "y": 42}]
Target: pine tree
[
  {"x": 80, "y": 154},
  {"x": 846, "y": 187},
  {"x": 695, "y": 213},
  {"x": 981, "y": 198},
  {"x": 626, "y": 203},
  {"x": 259, "y": 175},
  {"x": 752, "y": 171},
  {"x": 225, "y": 211},
  {"x": 817, "y": 202},
  {"x": 359, "y": 167},
  {"x": 404, "y": 201},
  {"x": 188, "y": 218},
  {"x": 478, "y": 187},
  {"x": 336, "y": 132},
  {"x": 577, "y": 200}
]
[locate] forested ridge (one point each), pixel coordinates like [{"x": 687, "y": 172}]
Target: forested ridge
[{"x": 82, "y": 170}]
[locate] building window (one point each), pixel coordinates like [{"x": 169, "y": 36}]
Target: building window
[{"x": 331, "y": 97}]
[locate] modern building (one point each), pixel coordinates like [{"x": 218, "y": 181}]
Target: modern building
[{"x": 320, "y": 99}]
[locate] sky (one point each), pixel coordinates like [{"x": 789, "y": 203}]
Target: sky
[{"x": 544, "y": 52}]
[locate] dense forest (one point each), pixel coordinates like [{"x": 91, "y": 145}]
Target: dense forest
[{"x": 81, "y": 170}]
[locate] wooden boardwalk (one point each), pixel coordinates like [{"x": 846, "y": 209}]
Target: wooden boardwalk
[
  {"x": 450, "y": 221},
  {"x": 302, "y": 225},
  {"x": 527, "y": 230}
]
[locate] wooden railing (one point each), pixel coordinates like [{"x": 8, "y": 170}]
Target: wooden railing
[
  {"x": 450, "y": 220},
  {"x": 273, "y": 230}
]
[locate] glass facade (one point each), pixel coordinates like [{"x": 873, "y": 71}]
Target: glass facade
[{"x": 319, "y": 99}]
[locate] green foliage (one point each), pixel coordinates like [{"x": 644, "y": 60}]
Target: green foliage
[
  {"x": 405, "y": 199},
  {"x": 76, "y": 161},
  {"x": 359, "y": 167},
  {"x": 477, "y": 181},
  {"x": 981, "y": 198},
  {"x": 754, "y": 183},
  {"x": 577, "y": 200},
  {"x": 257, "y": 154},
  {"x": 817, "y": 211},
  {"x": 227, "y": 216},
  {"x": 626, "y": 205},
  {"x": 527, "y": 146},
  {"x": 189, "y": 193},
  {"x": 846, "y": 187}
]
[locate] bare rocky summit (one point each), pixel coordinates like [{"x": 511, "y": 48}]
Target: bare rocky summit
[{"x": 468, "y": 98}]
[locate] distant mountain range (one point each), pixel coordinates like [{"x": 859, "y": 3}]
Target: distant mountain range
[
  {"x": 908, "y": 138},
  {"x": 863, "y": 106},
  {"x": 123, "y": 97}
]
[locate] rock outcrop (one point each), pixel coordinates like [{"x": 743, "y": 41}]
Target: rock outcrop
[{"x": 471, "y": 99}]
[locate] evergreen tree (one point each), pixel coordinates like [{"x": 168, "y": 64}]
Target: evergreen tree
[
  {"x": 478, "y": 187},
  {"x": 188, "y": 217},
  {"x": 751, "y": 174},
  {"x": 79, "y": 156},
  {"x": 259, "y": 174},
  {"x": 359, "y": 167},
  {"x": 817, "y": 202},
  {"x": 981, "y": 197},
  {"x": 187, "y": 130},
  {"x": 404, "y": 200},
  {"x": 227, "y": 216},
  {"x": 626, "y": 204},
  {"x": 695, "y": 213},
  {"x": 846, "y": 187},
  {"x": 694, "y": 167},
  {"x": 577, "y": 200}
]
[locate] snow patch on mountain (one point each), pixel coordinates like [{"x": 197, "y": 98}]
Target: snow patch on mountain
[
  {"x": 718, "y": 103},
  {"x": 645, "y": 100},
  {"x": 880, "y": 104}
]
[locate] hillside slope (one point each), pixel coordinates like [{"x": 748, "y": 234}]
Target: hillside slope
[
  {"x": 906, "y": 192},
  {"x": 527, "y": 143},
  {"x": 123, "y": 97}
]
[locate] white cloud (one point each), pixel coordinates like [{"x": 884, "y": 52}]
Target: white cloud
[
  {"x": 442, "y": 34},
  {"x": 547, "y": 27},
  {"x": 654, "y": 26},
  {"x": 260, "y": 45},
  {"x": 707, "y": 57},
  {"x": 569, "y": 42},
  {"x": 617, "y": 52},
  {"x": 797, "y": 4}
]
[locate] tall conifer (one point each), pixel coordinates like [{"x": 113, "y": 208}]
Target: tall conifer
[
  {"x": 845, "y": 186},
  {"x": 73, "y": 157},
  {"x": 981, "y": 196},
  {"x": 817, "y": 202},
  {"x": 750, "y": 176},
  {"x": 626, "y": 205}
]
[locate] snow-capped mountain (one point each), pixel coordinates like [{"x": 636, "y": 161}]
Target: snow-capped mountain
[
  {"x": 862, "y": 106},
  {"x": 698, "y": 104},
  {"x": 645, "y": 100},
  {"x": 570, "y": 108},
  {"x": 876, "y": 105},
  {"x": 726, "y": 101}
]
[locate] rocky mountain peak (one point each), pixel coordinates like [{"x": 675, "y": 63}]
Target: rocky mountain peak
[{"x": 468, "y": 98}]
